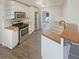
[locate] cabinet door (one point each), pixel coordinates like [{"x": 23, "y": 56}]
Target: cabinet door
[
  {"x": 15, "y": 38},
  {"x": 30, "y": 31},
  {"x": 50, "y": 49},
  {"x": 8, "y": 9},
  {"x": 2, "y": 3}
]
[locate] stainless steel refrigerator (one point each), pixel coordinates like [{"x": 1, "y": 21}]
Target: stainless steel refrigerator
[{"x": 45, "y": 21}]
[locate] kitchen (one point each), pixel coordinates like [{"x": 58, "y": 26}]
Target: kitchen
[
  {"x": 16, "y": 13},
  {"x": 61, "y": 39},
  {"x": 19, "y": 20},
  {"x": 17, "y": 24}
]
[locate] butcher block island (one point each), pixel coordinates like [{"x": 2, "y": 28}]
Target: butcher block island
[
  {"x": 53, "y": 36},
  {"x": 53, "y": 44}
]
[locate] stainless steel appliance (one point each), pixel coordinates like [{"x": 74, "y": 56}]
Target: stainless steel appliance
[
  {"x": 23, "y": 31},
  {"x": 23, "y": 28},
  {"x": 45, "y": 21},
  {"x": 19, "y": 15}
]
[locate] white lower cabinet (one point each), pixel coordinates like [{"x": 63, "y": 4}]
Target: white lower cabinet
[
  {"x": 10, "y": 38},
  {"x": 50, "y": 49},
  {"x": 31, "y": 28}
]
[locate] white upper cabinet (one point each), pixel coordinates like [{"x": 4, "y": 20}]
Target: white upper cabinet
[
  {"x": 13, "y": 6},
  {"x": 2, "y": 2},
  {"x": 8, "y": 9}
]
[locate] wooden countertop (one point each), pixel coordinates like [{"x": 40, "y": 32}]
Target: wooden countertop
[
  {"x": 52, "y": 36},
  {"x": 11, "y": 27},
  {"x": 71, "y": 33},
  {"x": 72, "y": 28}
]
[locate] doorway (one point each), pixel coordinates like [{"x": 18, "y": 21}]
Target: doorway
[{"x": 37, "y": 21}]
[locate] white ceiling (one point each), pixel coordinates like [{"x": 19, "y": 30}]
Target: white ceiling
[
  {"x": 57, "y": 2},
  {"x": 51, "y": 2},
  {"x": 45, "y": 3}
]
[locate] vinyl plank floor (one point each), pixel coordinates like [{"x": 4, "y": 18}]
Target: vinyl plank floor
[{"x": 29, "y": 49}]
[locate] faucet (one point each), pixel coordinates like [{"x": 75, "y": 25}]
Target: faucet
[{"x": 62, "y": 23}]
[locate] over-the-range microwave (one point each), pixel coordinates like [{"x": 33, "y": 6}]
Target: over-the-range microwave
[{"x": 19, "y": 15}]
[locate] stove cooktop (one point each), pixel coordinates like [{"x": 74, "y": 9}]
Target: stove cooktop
[{"x": 21, "y": 25}]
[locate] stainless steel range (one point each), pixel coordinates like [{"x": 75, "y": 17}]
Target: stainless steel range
[{"x": 23, "y": 31}]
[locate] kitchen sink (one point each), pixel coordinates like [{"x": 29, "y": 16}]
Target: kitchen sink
[{"x": 57, "y": 29}]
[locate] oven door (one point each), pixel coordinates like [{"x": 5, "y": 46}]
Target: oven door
[{"x": 24, "y": 32}]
